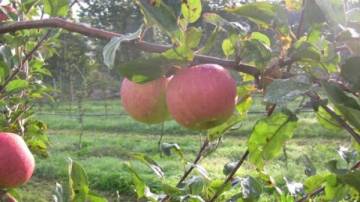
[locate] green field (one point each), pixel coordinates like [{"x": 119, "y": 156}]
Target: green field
[{"x": 107, "y": 140}]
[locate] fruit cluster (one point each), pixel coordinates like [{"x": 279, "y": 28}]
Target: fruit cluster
[{"x": 198, "y": 97}]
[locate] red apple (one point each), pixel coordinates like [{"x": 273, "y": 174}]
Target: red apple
[
  {"x": 16, "y": 161},
  {"x": 8, "y": 9},
  {"x": 145, "y": 102},
  {"x": 202, "y": 96}
]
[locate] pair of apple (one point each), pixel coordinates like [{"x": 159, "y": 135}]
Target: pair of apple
[{"x": 198, "y": 97}]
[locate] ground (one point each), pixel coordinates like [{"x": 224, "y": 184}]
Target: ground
[{"x": 106, "y": 141}]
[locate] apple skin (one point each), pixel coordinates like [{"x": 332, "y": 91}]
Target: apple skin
[
  {"x": 17, "y": 164},
  {"x": 8, "y": 9},
  {"x": 145, "y": 102},
  {"x": 202, "y": 96}
]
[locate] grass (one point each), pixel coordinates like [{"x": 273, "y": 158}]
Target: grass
[{"x": 107, "y": 141}]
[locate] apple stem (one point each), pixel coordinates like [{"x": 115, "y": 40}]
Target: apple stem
[{"x": 161, "y": 137}]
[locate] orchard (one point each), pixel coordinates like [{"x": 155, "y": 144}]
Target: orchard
[{"x": 271, "y": 89}]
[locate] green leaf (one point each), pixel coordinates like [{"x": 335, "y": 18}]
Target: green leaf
[
  {"x": 334, "y": 189},
  {"x": 16, "y": 85},
  {"x": 254, "y": 51},
  {"x": 113, "y": 46},
  {"x": 142, "y": 190},
  {"x": 332, "y": 166},
  {"x": 351, "y": 72},
  {"x": 314, "y": 182},
  {"x": 261, "y": 37},
  {"x": 326, "y": 120},
  {"x": 348, "y": 106},
  {"x": 294, "y": 188},
  {"x": 229, "y": 167},
  {"x": 167, "y": 148},
  {"x": 56, "y": 7},
  {"x": 200, "y": 170},
  {"x": 93, "y": 197},
  {"x": 228, "y": 48},
  {"x": 352, "y": 179},
  {"x": 5, "y": 59},
  {"x": 261, "y": 13},
  {"x": 334, "y": 10},
  {"x": 269, "y": 135},
  {"x": 218, "y": 131},
  {"x": 305, "y": 51},
  {"x": 251, "y": 189},
  {"x": 150, "y": 163},
  {"x": 36, "y": 138},
  {"x": 282, "y": 91},
  {"x": 142, "y": 70},
  {"x": 191, "y": 198},
  {"x": 195, "y": 185},
  {"x": 211, "y": 40},
  {"x": 139, "y": 183},
  {"x": 78, "y": 182},
  {"x": 28, "y": 4},
  {"x": 191, "y": 10},
  {"x": 191, "y": 37},
  {"x": 347, "y": 154},
  {"x": 161, "y": 15},
  {"x": 223, "y": 24}
]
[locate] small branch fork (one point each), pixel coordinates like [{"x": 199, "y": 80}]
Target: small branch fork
[
  {"x": 188, "y": 171},
  {"x": 102, "y": 34}
]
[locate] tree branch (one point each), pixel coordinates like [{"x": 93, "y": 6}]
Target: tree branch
[
  {"x": 26, "y": 58},
  {"x": 316, "y": 98},
  {"x": 107, "y": 35},
  {"x": 188, "y": 171},
  {"x": 230, "y": 176},
  {"x": 322, "y": 189}
]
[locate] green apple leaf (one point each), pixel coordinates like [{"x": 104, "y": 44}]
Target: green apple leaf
[
  {"x": 16, "y": 85},
  {"x": 262, "y": 13},
  {"x": 191, "y": 10},
  {"x": 269, "y": 135},
  {"x": 282, "y": 91},
  {"x": 161, "y": 15},
  {"x": 78, "y": 182},
  {"x": 56, "y": 7},
  {"x": 351, "y": 72},
  {"x": 348, "y": 106},
  {"x": 110, "y": 49}
]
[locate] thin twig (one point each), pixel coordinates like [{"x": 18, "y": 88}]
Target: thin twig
[
  {"x": 161, "y": 137},
  {"x": 26, "y": 58},
  {"x": 197, "y": 159},
  {"x": 238, "y": 165},
  {"x": 230, "y": 176},
  {"x": 316, "y": 98},
  {"x": 188, "y": 171},
  {"x": 322, "y": 189}
]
